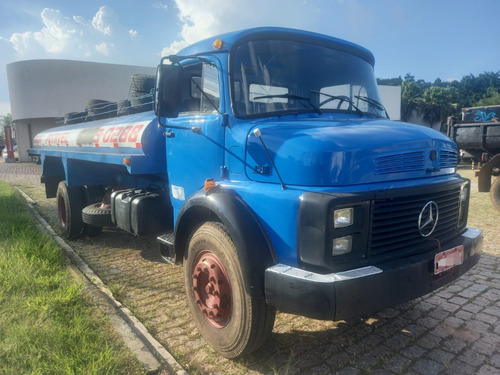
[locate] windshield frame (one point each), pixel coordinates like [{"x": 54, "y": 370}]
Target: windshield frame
[{"x": 290, "y": 94}]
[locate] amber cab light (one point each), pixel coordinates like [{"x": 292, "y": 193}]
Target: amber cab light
[{"x": 209, "y": 184}]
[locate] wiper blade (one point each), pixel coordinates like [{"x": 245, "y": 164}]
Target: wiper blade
[
  {"x": 290, "y": 96},
  {"x": 340, "y": 98},
  {"x": 374, "y": 102}
]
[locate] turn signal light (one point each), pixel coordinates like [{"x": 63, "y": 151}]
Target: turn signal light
[
  {"x": 127, "y": 161},
  {"x": 209, "y": 184}
]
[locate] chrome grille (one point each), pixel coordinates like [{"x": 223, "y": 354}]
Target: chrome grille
[{"x": 395, "y": 233}]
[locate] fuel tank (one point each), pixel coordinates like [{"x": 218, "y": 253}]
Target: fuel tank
[{"x": 136, "y": 138}]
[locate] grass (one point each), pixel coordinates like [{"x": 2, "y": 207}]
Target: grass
[{"x": 47, "y": 323}]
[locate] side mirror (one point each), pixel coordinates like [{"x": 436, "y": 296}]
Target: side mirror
[{"x": 167, "y": 91}]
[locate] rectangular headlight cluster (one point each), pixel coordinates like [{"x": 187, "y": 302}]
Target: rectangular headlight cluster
[{"x": 342, "y": 218}]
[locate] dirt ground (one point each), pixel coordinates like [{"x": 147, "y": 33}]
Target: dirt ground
[{"x": 454, "y": 330}]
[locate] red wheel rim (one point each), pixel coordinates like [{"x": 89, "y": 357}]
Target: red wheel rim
[{"x": 212, "y": 289}]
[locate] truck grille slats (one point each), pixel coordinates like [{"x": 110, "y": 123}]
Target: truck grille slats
[
  {"x": 414, "y": 161},
  {"x": 448, "y": 158},
  {"x": 395, "y": 232},
  {"x": 411, "y": 161}
]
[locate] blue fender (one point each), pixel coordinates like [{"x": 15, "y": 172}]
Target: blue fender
[{"x": 253, "y": 247}]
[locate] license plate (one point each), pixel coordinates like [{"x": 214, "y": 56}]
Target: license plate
[{"x": 448, "y": 259}]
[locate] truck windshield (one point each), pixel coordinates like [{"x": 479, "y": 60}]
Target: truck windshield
[{"x": 277, "y": 77}]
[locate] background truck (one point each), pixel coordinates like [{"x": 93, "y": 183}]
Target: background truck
[
  {"x": 478, "y": 133},
  {"x": 270, "y": 170}
]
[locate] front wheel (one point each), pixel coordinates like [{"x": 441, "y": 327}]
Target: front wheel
[{"x": 229, "y": 319}]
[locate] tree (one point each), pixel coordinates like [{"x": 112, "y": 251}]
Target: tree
[
  {"x": 492, "y": 97},
  {"x": 4, "y": 121},
  {"x": 411, "y": 97},
  {"x": 439, "y": 103},
  {"x": 390, "y": 81}
]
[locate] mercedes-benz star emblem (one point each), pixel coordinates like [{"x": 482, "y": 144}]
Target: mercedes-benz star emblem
[{"x": 428, "y": 219}]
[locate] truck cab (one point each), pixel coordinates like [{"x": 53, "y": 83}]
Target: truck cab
[{"x": 275, "y": 176}]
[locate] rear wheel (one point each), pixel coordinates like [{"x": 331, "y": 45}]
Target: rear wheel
[
  {"x": 495, "y": 193},
  {"x": 229, "y": 319},
  {"x": 70, "y": 202}
]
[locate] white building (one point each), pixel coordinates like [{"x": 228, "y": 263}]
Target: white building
[{"x": 42, "y": 91}]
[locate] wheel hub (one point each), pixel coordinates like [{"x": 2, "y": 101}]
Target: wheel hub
[{"x": 212, "y": 289}]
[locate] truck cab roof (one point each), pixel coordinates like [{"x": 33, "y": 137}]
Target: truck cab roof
[{"x": 232, "y": 38}]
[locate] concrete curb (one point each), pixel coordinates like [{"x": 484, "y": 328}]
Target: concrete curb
[{"x": 151, "y": 353}]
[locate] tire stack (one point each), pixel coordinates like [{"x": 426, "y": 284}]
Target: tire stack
[
  {"x": 74, "y": 117},
  {"x": 140, "y": 94},
  {"x": 123, "y": 108},
  {"x": 100, "y": 109}
]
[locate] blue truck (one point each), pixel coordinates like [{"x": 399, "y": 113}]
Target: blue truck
[{"x": 269, "y": 168}]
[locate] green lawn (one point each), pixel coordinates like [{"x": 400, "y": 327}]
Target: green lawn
[{"x": 47, "y": 323}]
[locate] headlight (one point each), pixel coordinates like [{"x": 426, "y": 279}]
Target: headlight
[
  {"x": 343, "y": 217},
  {"x": 342, "y": 245}
]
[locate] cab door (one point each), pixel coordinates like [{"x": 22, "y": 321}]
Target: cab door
[{"x": 195, "y": 139}]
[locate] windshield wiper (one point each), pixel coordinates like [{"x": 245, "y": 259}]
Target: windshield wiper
[
  {"x": 291, "y": 96},
  {"x": 373, "y": 102},
  {"x": 340, "y": 98},
  {"x": 376, "y": 103}
]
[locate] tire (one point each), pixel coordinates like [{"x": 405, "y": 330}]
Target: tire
[
  {"x": 142, "y": 84},
  {"x": 69, "y": 207},
  {"x": 495, "y": 193},
  {"x": 101, "y": 109},
  {"x": 140, "y": 90},
  {"x": 231, "y": 321},
  {"x": 97, "y": 216}
]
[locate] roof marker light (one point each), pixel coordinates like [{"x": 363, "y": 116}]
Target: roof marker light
[{"x": 217, "y": 44}]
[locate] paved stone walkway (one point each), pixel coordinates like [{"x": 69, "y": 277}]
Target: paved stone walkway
[{"x": 453, "y": 331}]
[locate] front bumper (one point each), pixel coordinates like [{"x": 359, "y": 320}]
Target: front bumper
[{"x": 365, "y": 290}]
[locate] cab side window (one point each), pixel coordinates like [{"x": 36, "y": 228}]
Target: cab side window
[{"x": 200, "y": 93}]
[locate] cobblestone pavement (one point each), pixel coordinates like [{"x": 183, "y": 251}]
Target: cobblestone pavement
[{"x": 455, "y": 330}]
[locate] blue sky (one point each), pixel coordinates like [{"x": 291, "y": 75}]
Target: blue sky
[{"x": 430, "y": 39}]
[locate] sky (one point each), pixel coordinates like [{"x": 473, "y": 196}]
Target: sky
[{"x": 429, "y": 39}]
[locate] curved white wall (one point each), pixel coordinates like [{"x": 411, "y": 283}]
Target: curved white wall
[
  {"x": 43, "y": 90},
  {"x": 52, "y": 88}
]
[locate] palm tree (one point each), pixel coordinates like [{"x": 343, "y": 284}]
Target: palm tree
[{"x": 4, "y": 121}]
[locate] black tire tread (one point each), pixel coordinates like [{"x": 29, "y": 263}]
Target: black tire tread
[
  {"x": 96, "y": 216},
  {"x": 73, "y": 200},
  {"x": 260, "y": 315},
  {"x": 495, "y": 193}
]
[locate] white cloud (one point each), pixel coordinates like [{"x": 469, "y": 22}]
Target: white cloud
[
  {"x": 201, "y": 20},
  {"x": 73, "y": 37},
  {"x": 160, "y": 5},
  {"x": 133, "y": 33},
  {"x": 54, "y": 37},
  {"x": 105, "y": 49},
  {"x": 103, "y": 20}
]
